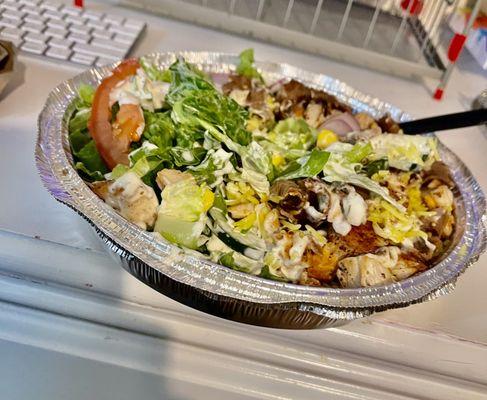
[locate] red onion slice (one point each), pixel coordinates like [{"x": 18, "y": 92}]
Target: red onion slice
[{"x": 341, "y": 124}]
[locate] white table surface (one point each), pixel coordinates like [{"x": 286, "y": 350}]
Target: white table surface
[{"x": 431, "y": 349}]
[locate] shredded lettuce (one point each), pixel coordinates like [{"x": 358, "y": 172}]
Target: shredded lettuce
[
  {"x": 405, "y": 152},
  {"x": 215, "y": 166},
  {"x": 339, "y": 169}
]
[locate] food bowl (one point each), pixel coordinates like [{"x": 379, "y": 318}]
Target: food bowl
[{"x": 231, "y": 294}]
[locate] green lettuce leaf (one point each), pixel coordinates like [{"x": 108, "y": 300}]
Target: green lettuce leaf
[
  {"x": 159, "y": 129},
  {"x": 184, "y": 156},
  {"x": 182, "y": 213},
  {"x": 209, "y": 107},
  {"x": 246, "y": 65},
  {"x": 339, "y": 169},
  {"x": 308, "y": 166},
  {"x": 213, "y": 168},
  {"x": 292, "y": 133},
  {"x": 186, "y": 79},
  {"x": 154, "y": 73},
  {"x": 266, "y": 273}
]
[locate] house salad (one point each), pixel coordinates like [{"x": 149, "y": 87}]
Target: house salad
[{"x": 275, "y": 179}]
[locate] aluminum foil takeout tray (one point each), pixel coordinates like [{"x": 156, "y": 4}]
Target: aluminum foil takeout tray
[{"x": 218, "y": 290}]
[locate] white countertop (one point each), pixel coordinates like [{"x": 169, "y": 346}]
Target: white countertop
[{"x": 68, "y": 272}]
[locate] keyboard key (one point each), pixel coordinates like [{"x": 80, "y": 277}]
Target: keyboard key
[
  {"x": 11, "y": 5},
  {"x": 75, "y": 20},
  {"x": 53, "y": 14},
  {"x": 13, "y": 14},
  {"x": 85, "y": 59},
  {"x": 35, "y": 19},
  {"x": 97, "y": 24},
  {"x": 32, "y": 27},
  {"x": 57, "y": 33},
  {"x": 134, "y": 24},
  {"x": 79, "y": 37},
  {"x": 59, "y": 53},
  {"x": 71, "y": 10},
  {"x": 92, "y": 15},
  {"x": 31, "y": 10},
  {"x": 33, "y": 47},
  {"x": 12, "y": 33},
  {"x": 113, "y": 19},
  {"x": 101, "y": 34},
  {"x": 80, "y": 29},
  {"x": 98, "y": 51},
  {"x": 36, "y": 37},
  {"x": 60, "y": 43},
  {"x": 49, "y": 5},
  {"x": 56, "y": 23},
  {"x": 124, "y": 30},
  {"x": 30, "y": 3},
  {"x": 9, "y": 23},
  {"x": 107, "y": 44},
  {"x": 128, "y": 40}
]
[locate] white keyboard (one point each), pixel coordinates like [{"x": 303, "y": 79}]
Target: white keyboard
[{"x": 66, "y": 33}]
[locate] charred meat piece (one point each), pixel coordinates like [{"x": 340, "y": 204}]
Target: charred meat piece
[
  {"x": 361, "y": 239},
  {"x": 318, "y": 193},
  {"x": 305, "y": 201},
  {"x": 239, "y": 82},
  {"x": 292, "y": 197},
  {"x": 388, "y": 125},
  {"x": 295, "y": 92},
  {"x": 295, "y": 97}
]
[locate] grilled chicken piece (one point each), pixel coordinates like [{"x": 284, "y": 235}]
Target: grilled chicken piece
[
  {"x": 387, "y": 265},
  {"x": 131, "y": 197},
  {"x": 361, "y": 239},
  {"x": 322, "y": 266},
  {"x": 169, "y": 176}
]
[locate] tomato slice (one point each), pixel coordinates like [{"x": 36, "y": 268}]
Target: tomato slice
[
  {"x": 129, "y": 120},
  {"x": 113, "y": 149}
]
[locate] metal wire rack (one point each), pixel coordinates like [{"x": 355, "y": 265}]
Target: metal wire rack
[{"x": 405, "y": 38}]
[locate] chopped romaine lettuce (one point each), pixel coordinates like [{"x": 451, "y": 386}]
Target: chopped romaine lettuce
[
  {"x": 153, "y": 72},
  {"x": 182, "y": 213},
  {"x": 159, "y": 129},
  {"x": 310, "y": 165},
  {"x": 215, "y": 166},
  {"x": 246, "y": 65},
  {"x": 210, "y": 108},
  {"x": 186, "y": 80},
  {"x": 87, "y": 159},
  {"x": 86, "y": 93}
]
